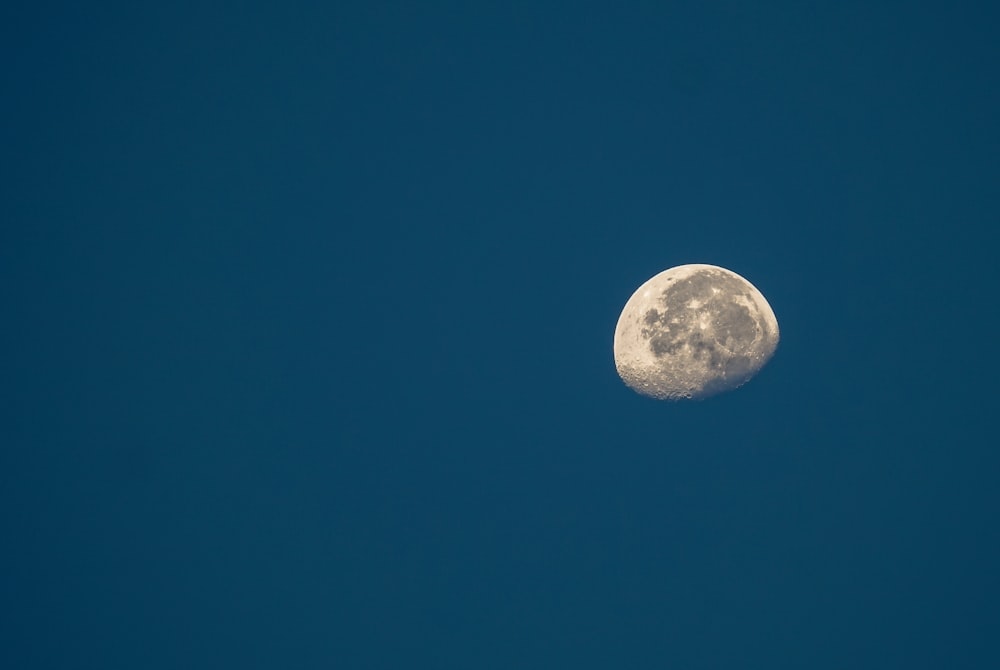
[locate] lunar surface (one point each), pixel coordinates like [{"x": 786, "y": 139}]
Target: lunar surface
[{"x": 693, "y": 331}]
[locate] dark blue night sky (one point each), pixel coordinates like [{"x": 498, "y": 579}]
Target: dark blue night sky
[{"x": 307, "y": 323}]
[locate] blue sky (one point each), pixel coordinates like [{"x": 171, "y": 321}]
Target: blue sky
[{"x": 309, "y": 309}]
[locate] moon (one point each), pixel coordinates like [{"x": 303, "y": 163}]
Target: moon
[{"x": 693, "y": 331}]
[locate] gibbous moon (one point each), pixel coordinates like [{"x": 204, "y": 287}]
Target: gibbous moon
[{"x": 693, "y": 331}]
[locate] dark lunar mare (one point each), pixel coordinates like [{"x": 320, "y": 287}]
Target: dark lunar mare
[{"x": 727, "y": 342}]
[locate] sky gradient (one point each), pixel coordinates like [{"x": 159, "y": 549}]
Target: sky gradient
[{"x": 308, "y": 313}]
